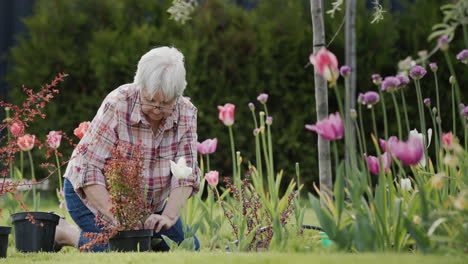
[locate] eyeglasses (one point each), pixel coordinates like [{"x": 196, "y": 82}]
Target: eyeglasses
[{"x": 164, "y": 109}]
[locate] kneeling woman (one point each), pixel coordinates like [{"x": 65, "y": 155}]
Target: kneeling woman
[{"x": 151, "y": 112}]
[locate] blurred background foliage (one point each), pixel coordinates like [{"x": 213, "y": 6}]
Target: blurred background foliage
[{"x": 232, "y": 55}]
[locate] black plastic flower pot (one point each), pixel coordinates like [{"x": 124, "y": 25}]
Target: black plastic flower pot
[
  {"x": 37, "y": 234},
  {"x": 4, "y": 232},
  {"x": 131, "y": 240}
]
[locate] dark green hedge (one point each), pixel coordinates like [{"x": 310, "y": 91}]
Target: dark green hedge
[{"x": 232, "y": 55}]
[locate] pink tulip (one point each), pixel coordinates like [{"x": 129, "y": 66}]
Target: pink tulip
[
  {"x": 208, "y": 146},
  {"x": 374, "y": 165},
  {"x": 53, "y": 139},
  {"x": 226, "y": 114},
  {"x": 326, "y": 64},
  {"x": 80, "y": 131},
  {"x": 26, "y": 142},
  {"x": 383, "y": 143},
  {"x": 409, "y": 152},
  {"x": 447, "y": 139},
  {"x": 17, "y": 129},
  {"x": 330, "y": 128},
  {"x": 212, "y": 178}
]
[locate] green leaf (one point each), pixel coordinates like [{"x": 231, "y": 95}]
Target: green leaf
[
  {"x": 422, "y": 240},
  {"x": 170, "y": 243},
  {"x": 326, "y": 220},
  {"x": 339, "y": 191}
]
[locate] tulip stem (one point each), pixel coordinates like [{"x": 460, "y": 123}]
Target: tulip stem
[
  {"x": 384, "y": 111},
  {"x": 340, "y": 103},
  {"x": 405, "y": 110},
  {"x": 374, "y": 124},
  {"x": 335, "y": 156},
  {"x": 33, "y": 178},
  {"x": 397, "y": 111},
  {"x": 202, "y": 173},
  {"x": 233, "y": 152},
  {"x": 58, "y": 171},
  {"x": 361, "y": 149}
]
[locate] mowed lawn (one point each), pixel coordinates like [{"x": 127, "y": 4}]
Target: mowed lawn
[{"x": 227, "y": 258}]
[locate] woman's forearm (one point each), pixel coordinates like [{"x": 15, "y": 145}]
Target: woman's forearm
[
  {"x": 176, "y": 201},
  {"x": 98, "y": 196}
]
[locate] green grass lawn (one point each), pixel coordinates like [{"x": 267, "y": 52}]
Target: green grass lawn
[{"x": 226, "y": 258}]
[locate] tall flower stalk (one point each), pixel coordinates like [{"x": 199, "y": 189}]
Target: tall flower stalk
[
  {"x": 256, "y": 132},
  {"x": 397, "y": 112},
  {"x": 226, "y": 115},
  {"x": 417, "y": 73},
  {"x": 405, "y": 110}
]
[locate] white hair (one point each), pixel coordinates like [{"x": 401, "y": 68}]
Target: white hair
[{"x": 161, "y": 69}]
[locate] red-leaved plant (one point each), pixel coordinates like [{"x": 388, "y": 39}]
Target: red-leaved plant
[
  {"x": 130, "y": 205},
  {"x": 22, "y": 116}
]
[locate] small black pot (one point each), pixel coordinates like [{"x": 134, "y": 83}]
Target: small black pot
[
  {"x": 131, "y": 240},
  {"x": 35, "y": 237},
  {"x": 4, "y": 232}
]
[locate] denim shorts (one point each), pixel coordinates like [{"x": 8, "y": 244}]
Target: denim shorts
[{"x": 84, "y": 218}]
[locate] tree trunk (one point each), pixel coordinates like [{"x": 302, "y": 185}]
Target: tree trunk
[
  {"x": 350, "y": 60},
  {"x": 321, "y": 100}
]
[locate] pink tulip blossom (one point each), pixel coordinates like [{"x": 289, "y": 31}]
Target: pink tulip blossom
[
  {"x": 326, "y": 64},
  {"x": 17, "y": 129},
  {"x": 80, "y": 131},
  {"x": 374, "y": 165},
  {"x": 409, "y": 152},
  {"x": 212, "y": 178},
  {"x": 26, "y": 142},
  {"x": 330, "y": 128},
  {"x": 53, "y": 139},
  {"x": 226, "y": 114},
  {"x": 447, "y": 139},
  {"x": 208, "y": 146},
  {"x": 390, "y": 141}
]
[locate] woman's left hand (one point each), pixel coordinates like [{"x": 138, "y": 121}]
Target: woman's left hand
[{"x": 158, "y": 222}]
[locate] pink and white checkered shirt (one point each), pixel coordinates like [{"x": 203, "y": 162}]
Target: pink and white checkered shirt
[{"x": 120, "y": 118}]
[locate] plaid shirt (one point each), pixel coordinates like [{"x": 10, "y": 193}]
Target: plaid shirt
[{"x": 120, "y": 119}]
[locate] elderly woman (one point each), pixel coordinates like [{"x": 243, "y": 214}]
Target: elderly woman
[{"x": 152, "y": 112}]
